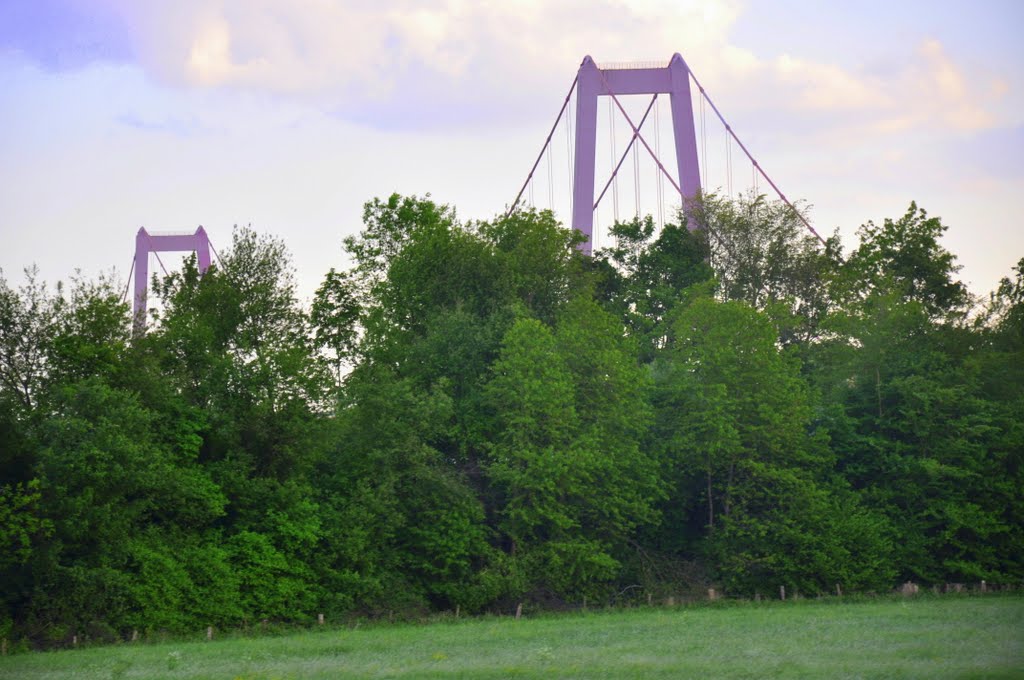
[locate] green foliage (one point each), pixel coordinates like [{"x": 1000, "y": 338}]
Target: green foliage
[
  {"x": 762, "y": 254},
  {"x": 905, "y": 257},
  {"x": 20, "y": 524},
  {"x": 648, "y": 274},
  {"x": 474, "y": 415},
  {"x": 270, "y": 584},
  {"x": 28, "y": 321},
  {"x": 918, "y": 427},
  {"x": 736, "y": 424},
  {"x": 569, "y": 409},
  {"x": 334, "y": 314}
]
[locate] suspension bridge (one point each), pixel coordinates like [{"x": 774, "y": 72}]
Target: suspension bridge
[
  {"x": 641, "y": 176},
  {"x": 634, "y": 154}
]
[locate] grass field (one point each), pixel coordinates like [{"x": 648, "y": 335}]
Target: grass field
[{"x": 949, "y": 637}]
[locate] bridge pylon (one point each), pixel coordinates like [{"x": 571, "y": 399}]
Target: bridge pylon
[
  {"x": 146, "y": 243},
  {"x": 593, "y": 82}
]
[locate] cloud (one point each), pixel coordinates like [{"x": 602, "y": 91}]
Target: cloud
[
  {"x": 443, "y": 63},
  {"x": 825, "y": 87},
  {"x": 180, "y": 127},
  {"x": 63, "y": 34},
  {"x": 397, "y": 63}
]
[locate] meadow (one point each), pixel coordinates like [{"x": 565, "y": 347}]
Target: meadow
[{"x": 927, "y": 637}]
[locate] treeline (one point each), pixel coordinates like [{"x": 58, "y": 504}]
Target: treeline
[{"x": 475, "y": 415}]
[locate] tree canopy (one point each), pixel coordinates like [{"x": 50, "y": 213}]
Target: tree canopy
[{"x": 474, "y": 414}]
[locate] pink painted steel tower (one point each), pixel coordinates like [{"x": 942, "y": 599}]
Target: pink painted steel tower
[
  {"x": 146, "y": 243},
  {"x": 593, "y": 82}
]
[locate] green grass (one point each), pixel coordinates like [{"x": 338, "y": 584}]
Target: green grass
[{"x": 949, "y": 637}]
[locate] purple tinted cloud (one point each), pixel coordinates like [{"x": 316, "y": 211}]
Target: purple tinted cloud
[
  {"x": 986, "y": 151},
  {"x": 62, "y": 34},
  {"x": 181, "y": 127}
]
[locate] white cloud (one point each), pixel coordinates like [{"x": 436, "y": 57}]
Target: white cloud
[
  {"x": 400, "y": 63},
  {"x": 826, "y": 87},
  {"x": 247, "y": 123},
  {"x": 948, "y": 93},
  {"x": 358, "y": 58}
]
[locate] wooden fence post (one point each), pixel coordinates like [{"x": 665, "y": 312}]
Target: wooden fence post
[
  {"x": 320, "y": 619},
  {"x": 782, "y": 592},
  {"x": 839, "y": 591},
  {"x": 519, "y": 610},
  {"x": 909, "y": 588},
  {"x": 209, "y": 632}
]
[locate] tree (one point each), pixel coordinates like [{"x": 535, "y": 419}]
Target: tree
[
  {"x": 650, "y": 274},
  {"x": 762, "y": 253},
  {"x": 572, "y": 483},
  {"x": 914, "y": 430},
  {"x": 734, "y": 417},
  {"x": 335, "y": 317},
  {"x": 905, "y": 257},
  {"x": 107, "y": 482},
  {"x": 238, "y": 346},
  {"x": 28, "y": 317}
]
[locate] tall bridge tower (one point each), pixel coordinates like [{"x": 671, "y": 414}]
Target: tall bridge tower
[{"x": 593, "y": 82}]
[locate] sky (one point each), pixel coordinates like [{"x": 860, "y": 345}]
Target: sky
[{"x": 288, "y": 115}]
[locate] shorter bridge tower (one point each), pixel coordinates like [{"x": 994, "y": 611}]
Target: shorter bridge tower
[{"x": 146, "y": 243}]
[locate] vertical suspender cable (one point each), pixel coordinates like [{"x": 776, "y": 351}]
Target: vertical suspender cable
[
  {"x": 728, "y": 164},
  {"x": 636, "y": 181},
  {"x": 154, "y": 251},
  {"x": 551, "y": 180},
  {"x": 625, "y": 154},
  {"x": 569, "y": 159},
  {"x": 703, "y": 138},
  {"x": 778, "y": 192},
  {"x": 613, "y": 156},
  {"x": 659, "y": 188}
]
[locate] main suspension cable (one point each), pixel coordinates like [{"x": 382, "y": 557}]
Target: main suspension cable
[
  {"x": 547, "y": 142},
  {"x": 131, "y": 270},
  {"x": 760, "y": 170}
]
